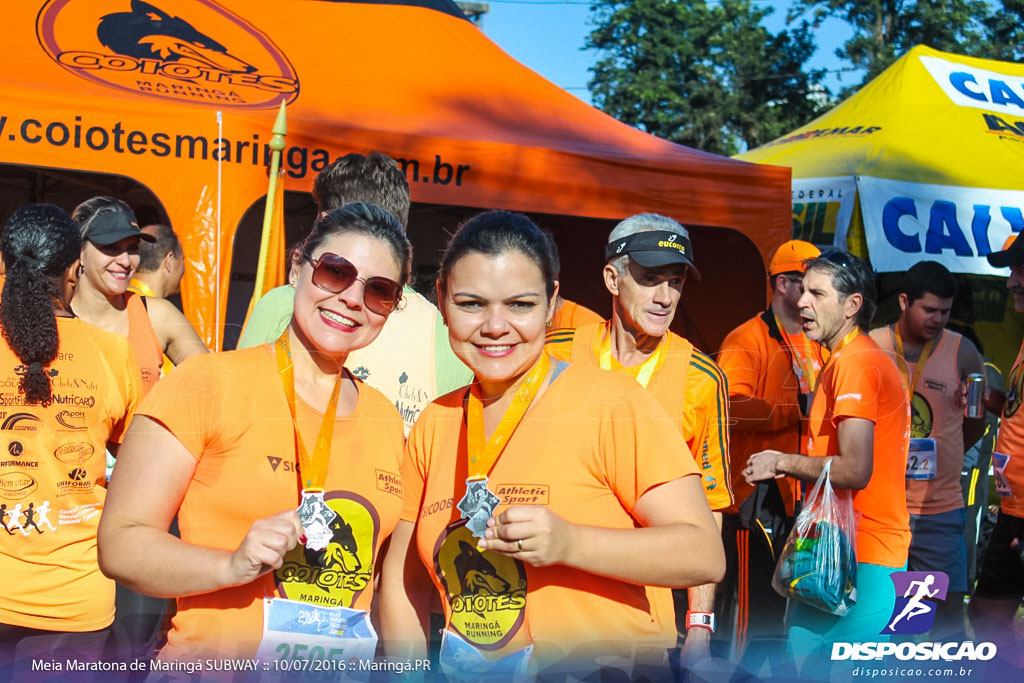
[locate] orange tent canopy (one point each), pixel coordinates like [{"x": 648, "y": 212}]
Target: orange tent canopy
[{"x": 180, "y": 95}]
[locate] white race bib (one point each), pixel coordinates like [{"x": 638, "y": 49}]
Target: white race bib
[
  {"x": 316, "y": 641},
  {"x": 460, "y": 660},
  {"x": 922, "y": 460},
  {"x": 999, "y": 463}
]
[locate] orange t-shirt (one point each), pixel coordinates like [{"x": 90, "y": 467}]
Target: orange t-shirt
[
  {"x": 229, "y": 410},
  {"x": 591, "y": 445},
  {"x": 53, "y": 480},
  {"x": 763, "y": 403},
  {"x": 571, "y": 315},
  {"x": 860, "y": 380},
  {"x": 1011, "y": 438},
  {"x": 144, "y": 342},
  {"x": 687, "y": 383},
  {"x": 935, "y": 414}
]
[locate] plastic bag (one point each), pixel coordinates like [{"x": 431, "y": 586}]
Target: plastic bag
[{"x": 818, "y": 565}]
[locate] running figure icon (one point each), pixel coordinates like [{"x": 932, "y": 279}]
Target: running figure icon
[{"x": 915, "y": 607}]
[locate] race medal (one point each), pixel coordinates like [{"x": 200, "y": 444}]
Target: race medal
[
  {"x": 922, "y": 459},
  {"x": 477, "y": 505},
  {"x": 314, "y": 514},
  {"x": 999, "y": 463},
  {"x": 316, "y": 517}
]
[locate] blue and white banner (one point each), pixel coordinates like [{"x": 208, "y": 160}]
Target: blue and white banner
[
  {"x": 957, "y": 226},
  {"x": 968, "y": 86}
]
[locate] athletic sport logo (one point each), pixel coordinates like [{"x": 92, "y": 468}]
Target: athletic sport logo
[
  {"x": 917, "y": 594},
  {"x": 191, "y": 51}
]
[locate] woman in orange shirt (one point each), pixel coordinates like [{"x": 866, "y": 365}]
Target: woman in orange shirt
[
  {"x": 110, "y": 255},
  {"x": 70, "y": 395},
  {"x": 233, "y": 443},
  {"x": 554, "y": 506}
]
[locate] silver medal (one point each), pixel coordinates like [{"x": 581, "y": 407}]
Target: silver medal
[
  {"x": 477, "y": 505},
  {"x": 316, "y": 518}
]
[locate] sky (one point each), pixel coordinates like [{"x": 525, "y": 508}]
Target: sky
[{"x": 548, "y": 37}]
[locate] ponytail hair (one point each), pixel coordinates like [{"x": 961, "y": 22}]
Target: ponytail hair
[{"x": 39, "y": 242}]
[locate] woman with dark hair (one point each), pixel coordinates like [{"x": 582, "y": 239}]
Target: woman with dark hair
[
  {"x": 74, "y": 396},
  {"x": 554, "y": 506},
  {"x": 232, "y": 443},
  {"x": 110, "y": 239}
]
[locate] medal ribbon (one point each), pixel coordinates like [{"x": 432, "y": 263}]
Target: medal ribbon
[
  {"x": 647, "y": 368},
  {"x": 850, "y": 336},
  {"x": 312, "y": 468},
  {"x": 483, "y": 454},
  {"x": 802, "y": 360},
  {"x": 901, "y": 362}
]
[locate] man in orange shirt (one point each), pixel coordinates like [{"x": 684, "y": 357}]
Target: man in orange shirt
[
  {"x": 649, "y": 257},
  {"x": 1001, "y": 579},
  {"x": 935, "y": 363},
  {"x": 860, "y": 421},
  {"x": 772, "y": 369}
]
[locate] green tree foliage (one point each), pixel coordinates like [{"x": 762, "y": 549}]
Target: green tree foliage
[
  {"x": 885, "y": 29},
  {"x": 706, "y": 75},
  {"x": 1005, "y": 32}
]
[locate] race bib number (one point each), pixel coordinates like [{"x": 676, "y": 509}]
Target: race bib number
[
  {"x": 999, "y": 463},
  {"x": 459, "y": 659},
  {"x": 314, "y": 641},
  {"x": 922, "y": 459}
]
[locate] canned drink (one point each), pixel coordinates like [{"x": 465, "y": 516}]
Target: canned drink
[{"x": 975, "y": 396}]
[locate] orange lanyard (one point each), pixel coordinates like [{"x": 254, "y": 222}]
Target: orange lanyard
[
  {"x": 802, "y": 361},
  {"x": 484, "y": 453},
  {"x": 312, "y": 468},
  {"x": 850, "y": 336},
  {"x": 647, "y": 368},
  {"x": 901, "y": 362}
]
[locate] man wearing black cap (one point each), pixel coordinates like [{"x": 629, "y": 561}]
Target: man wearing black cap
[
  {"x": 1001, "y": 579},
  {"x": 648, "y": 259}
]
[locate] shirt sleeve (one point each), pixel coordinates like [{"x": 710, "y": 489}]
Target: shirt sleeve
[
  {"x": 188, "y": 402},
  {"x": 270, "y": 316},
  {"x": 132, "y": 393},
  {"x": 856, "y": 389},
  {"x": 706, "y": 425},
  {"x": 642, "y": 447},
  {"x": 745, "y": 360},
  {"x": 414, "y": 469}
]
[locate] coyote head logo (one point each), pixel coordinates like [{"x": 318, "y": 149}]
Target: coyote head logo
[
  {"x": 147, "y": 32},
  {"x": 476, "y": 574}
]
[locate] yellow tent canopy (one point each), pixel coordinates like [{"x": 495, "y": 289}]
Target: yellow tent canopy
[{"x": 923, "y": 163}]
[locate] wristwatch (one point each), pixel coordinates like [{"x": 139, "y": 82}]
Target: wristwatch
[{"x": 700, "y": 619}]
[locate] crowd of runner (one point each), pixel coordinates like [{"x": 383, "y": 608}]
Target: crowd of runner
[{"x": 504, "y": 482}]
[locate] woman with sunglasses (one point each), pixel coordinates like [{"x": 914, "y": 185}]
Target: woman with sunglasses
[
  {"x": 283, "y": 470},
  {"x": 553, "y": 506},
  {"x": 110, "y": 255}
]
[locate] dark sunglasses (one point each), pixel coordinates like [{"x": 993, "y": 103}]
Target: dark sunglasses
[
  {"x": 840, "y": 258},
  {"x": 334, "y": 274}
]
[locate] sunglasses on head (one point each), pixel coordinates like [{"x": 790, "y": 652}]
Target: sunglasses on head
[
  {"x": 840, "y": 258},
  {"x": 335, "y": 274}
]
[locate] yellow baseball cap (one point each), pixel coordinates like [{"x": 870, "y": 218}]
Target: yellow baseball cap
[{"x": 791, "y": 256}]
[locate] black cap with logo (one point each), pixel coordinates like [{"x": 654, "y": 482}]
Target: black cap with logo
[
  {"x": 654, "y": 249},
  {"x": 108, "y": 227},
  {"x": 1011, "y": 255}
]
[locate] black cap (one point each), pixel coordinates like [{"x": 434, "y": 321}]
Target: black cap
[
  {"x": 1012, "y": 255},
  {"x": 108, "y": 227},
  {"x": 653, "y": 249}
]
